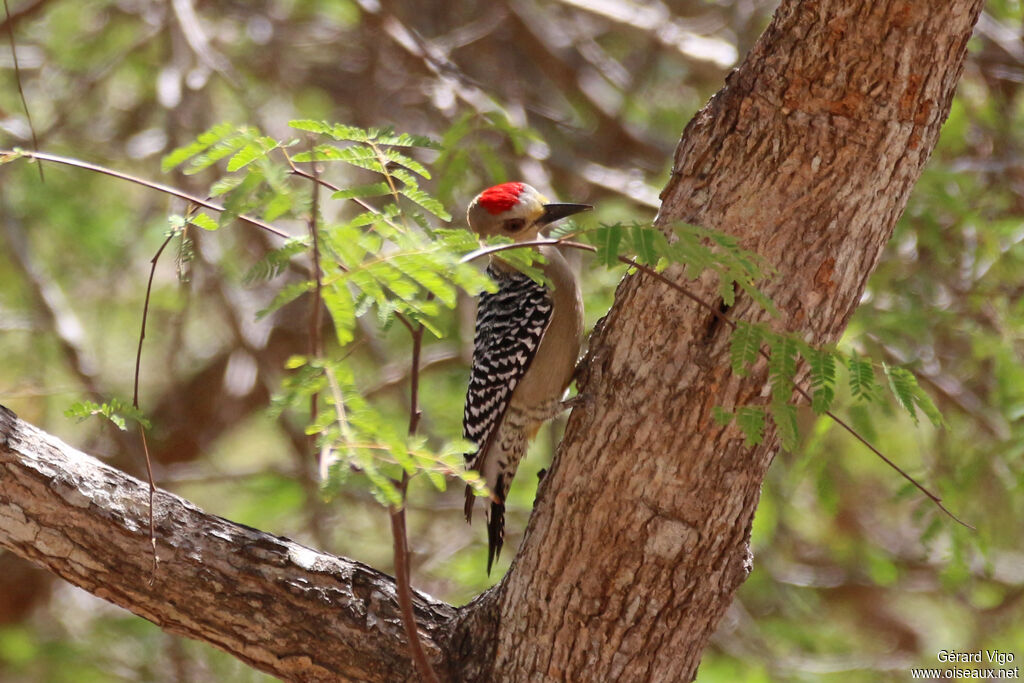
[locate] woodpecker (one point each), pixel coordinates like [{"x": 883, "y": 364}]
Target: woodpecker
[{"x": 525, "y": 348}]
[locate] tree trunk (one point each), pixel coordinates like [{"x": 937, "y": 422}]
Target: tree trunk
[
  {"x": 639, "y": 537},
  {"x": 640, "y": 534}
]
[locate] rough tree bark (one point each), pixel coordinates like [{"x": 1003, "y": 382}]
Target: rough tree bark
[
  {"x": 640, "y": 533},
  {"x": 267, "y": 600},
  {"x": 807, "y": 155}
]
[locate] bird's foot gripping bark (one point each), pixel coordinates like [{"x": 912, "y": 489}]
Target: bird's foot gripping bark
[{"x": 577, "y": 401}]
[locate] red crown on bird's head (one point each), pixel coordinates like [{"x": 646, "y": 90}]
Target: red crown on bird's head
[{"x": 500, "y": 198}]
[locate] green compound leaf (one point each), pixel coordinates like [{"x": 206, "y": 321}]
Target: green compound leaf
[{"x": 115, "y": 410}]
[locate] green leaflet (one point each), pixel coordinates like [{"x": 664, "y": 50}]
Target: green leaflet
[
  {"x": 910, "y": 396},
  {"x": 360, "y": 156},
  {"x": 607, "y": 239},
  {"x": 410, "y": 188},
  {"x": 255, "y": 149},
  {"x": 721, "y": 416},
  {"x": 782, "y": 363},
  {"x": 751, "y": 421},
  {"x": 202, "y": 220},
  {"x": 745, "y": 347},
  {"x": 645, "y": 244},
  {"x": 203, "y": 142},
  {"x": 823, "y": 378},
  {"x": 363, "y": 191},
  {"x": 862, "y": 379},
  {"x": 784, "y": 417}
]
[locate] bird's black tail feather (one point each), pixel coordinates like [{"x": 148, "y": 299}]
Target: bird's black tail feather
[{"x": 495, "y": 533}]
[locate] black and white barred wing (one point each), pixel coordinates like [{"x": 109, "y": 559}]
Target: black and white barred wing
[{"x": 509, "y": 327}]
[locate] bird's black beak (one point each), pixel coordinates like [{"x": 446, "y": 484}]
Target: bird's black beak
[{"x": 556, "y": 212}]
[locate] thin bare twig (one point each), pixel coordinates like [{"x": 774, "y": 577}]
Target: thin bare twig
[
  {"x": 21, "y": 91},
  {"x": 160, "y": 187},
  {"x": 732, "y": 325},
  {"x": 145, "y": 315},
  {"x": 152, "y": 490},
  {"x": 398, "y": 528},
  {"x": 316, "y": 345},
  {"x": 399, "y": 532},
  {"x": 414, "y": 380},
  {"x": 316, "y": 350},
  {"x": 135, "y": 398}
]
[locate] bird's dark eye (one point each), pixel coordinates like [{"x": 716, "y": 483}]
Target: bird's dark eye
[{"x": 514, "y": 225}]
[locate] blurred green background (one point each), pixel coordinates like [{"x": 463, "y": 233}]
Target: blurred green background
[{"x": 855, "y": 579}]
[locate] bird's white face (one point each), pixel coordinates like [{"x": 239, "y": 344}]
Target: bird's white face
[{"x": 515, "y": 210}]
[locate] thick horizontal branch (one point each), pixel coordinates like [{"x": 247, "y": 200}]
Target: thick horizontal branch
[{"x": 279, "y": 606}]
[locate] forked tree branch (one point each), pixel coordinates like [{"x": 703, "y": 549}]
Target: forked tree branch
[{"x": 277, "y": 605}]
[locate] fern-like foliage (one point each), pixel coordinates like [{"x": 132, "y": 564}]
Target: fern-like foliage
[
  {"x": 782, "y": 364},
  {"x": 354, "y": 437},
  {"x": 744, "y": 347},
  {"x": 910, "y": 396},
  {"x": 116, "y": 411},
  {"x": 477, "y": 149},
  {"x": 822, "y": 364},
  {"x": 750, "y": 342},
  {"x": 255, "y": 183},
  {"x": 275, "y": 262},
  {"x": 375, "y": 150},
  {"x": 863, "y": 385},
  {"x": 389, "y": 258},
  {"x": 751, "y": 421},
  {"x": 699, "y": 249}
]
